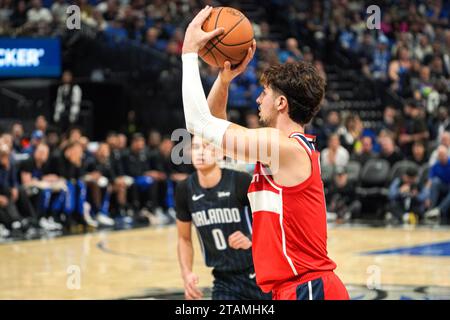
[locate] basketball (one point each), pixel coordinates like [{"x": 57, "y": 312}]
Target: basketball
[{"x": 233, "y": 43}]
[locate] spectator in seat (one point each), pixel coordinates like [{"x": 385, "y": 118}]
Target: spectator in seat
[
  {"x": 68, "y": 100},
  {"x": 18, "y": 137},
  {"x": 11, "y": 198},
  {"x": 41, "y": 185},
  {"x": 292, "y": 52},
  {"x": 343, "y": 200},
  {"x": 143, "y": 168},
  {"x": 414, "y": 128},
  {"x": 99, "y": 179},
  {"x": 444, "y": 141},
  {"x": 36, "y": 138},
  {"x": 405, "y": 197},
  {"x": 41, "y": 124},
  {"x": 419, "y": 153},
  {"x": 366, "y": 153},
  {"x": 389, "y": 151},
  {"x": 439, "y": 184},
  {"x": 37, "y": 13},
  {"x": 399, "y": 72},
  {"x": 334, "y": 155}
]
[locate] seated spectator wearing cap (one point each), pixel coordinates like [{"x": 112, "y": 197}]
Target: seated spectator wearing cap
[
  {"x": 440, "y": 186},
  {"x": 334, "y": 155},
  {"x": 36, "y": 138},
  {"x": 377, "y": 68},
  {"x": 406, "y": 197},
  {"x": 342, "y": 196}
]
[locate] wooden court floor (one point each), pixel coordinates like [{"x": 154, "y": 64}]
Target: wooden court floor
[{"x": 136, "y": 263}]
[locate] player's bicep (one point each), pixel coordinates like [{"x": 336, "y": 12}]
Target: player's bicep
[{"x": 251, "y": 145}]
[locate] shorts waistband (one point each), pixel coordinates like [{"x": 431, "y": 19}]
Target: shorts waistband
[{"x": 301, "y": 279}]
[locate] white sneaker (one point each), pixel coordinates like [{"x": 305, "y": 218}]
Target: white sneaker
[
  {"x": 4, "y": 233},
  {"x": 43, "y": 223},
  {"x": 405, "y": 218},
  {"x": 172, "y": 213},
  {"x": 87, "y": 216},
  {"x": 331, "y": 216},
  {"x": 433, "y": 213},
  {"x": 55, "y": 225},
  {"x": 16, "y": 225},
  {"x": 162, "y": 218},
  {"x": 104, "y": 220}
]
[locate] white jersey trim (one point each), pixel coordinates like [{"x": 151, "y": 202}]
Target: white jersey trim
[{"x": 283, "y": 236}]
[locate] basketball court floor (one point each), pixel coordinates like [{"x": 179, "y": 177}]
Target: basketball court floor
[{"x": 373, "y": 262}]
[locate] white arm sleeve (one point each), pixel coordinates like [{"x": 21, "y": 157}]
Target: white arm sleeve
[{"x": 199, "y": 120}]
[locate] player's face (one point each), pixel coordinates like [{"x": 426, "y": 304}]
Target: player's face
[
  {"x": 267, "y": 110},
  {"x": 203, "y": 155}
]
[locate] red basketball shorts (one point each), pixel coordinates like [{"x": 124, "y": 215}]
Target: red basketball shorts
[{"x": 328, "y": 286}]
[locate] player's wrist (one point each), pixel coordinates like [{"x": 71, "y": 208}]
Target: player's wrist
[{"x": 224, "y": 80}]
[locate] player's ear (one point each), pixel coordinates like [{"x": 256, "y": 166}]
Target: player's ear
[{"x": 281, "y": 103}]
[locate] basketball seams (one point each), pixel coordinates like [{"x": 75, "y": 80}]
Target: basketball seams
[
  {"x": 236, "y": 44},
  {"x": 219, "y": 40},
  {"x": 217, "y": 17},
  {"x": 214, "y": 44},
  {"x": 214, "y": 57}
]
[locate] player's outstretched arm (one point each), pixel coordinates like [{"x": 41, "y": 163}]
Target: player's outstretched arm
[
  {"x": 265, "y": 145},
  {"x": 218, "y": 96}
]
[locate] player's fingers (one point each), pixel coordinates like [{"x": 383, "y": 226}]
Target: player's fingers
[
  {"x": 202, "y": 15},
  {"x": 227, "y": 65},
  {"x": 214, "y": 33},
  {"x": 190, "y": 292},
  {"x": 187, "y": 295},
  {"x": 195, "y": 292}
]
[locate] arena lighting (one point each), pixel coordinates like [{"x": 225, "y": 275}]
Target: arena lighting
[{"x": 30, "y": 57}]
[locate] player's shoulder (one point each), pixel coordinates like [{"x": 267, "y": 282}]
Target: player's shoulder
[{"x": 184, "y": 184}]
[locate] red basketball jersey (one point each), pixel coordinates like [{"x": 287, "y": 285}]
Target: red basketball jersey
[{"x": 289, "y": 225}]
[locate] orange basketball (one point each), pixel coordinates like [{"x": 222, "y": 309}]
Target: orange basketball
[{"x": 233, "y": 43}]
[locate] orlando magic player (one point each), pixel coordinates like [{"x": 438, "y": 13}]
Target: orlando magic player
[{"x": 215, "y": 201}]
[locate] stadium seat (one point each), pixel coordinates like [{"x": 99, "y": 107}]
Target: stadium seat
[
  {"x": 353, "y": 170},
  {"x": 327, "y": 174},
  {"x": 375, "y": 173},
  {"x": 400, "y": 168}
]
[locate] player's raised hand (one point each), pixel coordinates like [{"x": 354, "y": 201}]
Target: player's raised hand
[
  {"x": 227, "y": 73},
  {"x": 191, "y": 292},
  {"x": 238, "y": 240},
  {"x": 195, "y": 38}
]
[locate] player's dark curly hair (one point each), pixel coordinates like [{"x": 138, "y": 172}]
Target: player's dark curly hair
[{"x": 301, "y": 84}]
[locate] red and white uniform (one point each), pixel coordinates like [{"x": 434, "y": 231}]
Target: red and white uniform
[{"x": 290, "y": 233}]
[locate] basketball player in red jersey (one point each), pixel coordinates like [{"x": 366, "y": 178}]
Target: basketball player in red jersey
[{"x": 286, "y": 193}]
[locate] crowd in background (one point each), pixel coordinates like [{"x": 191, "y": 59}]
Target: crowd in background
[
  {"x": 409, "y": 56},
  {"x": 54, "y": 182}
]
